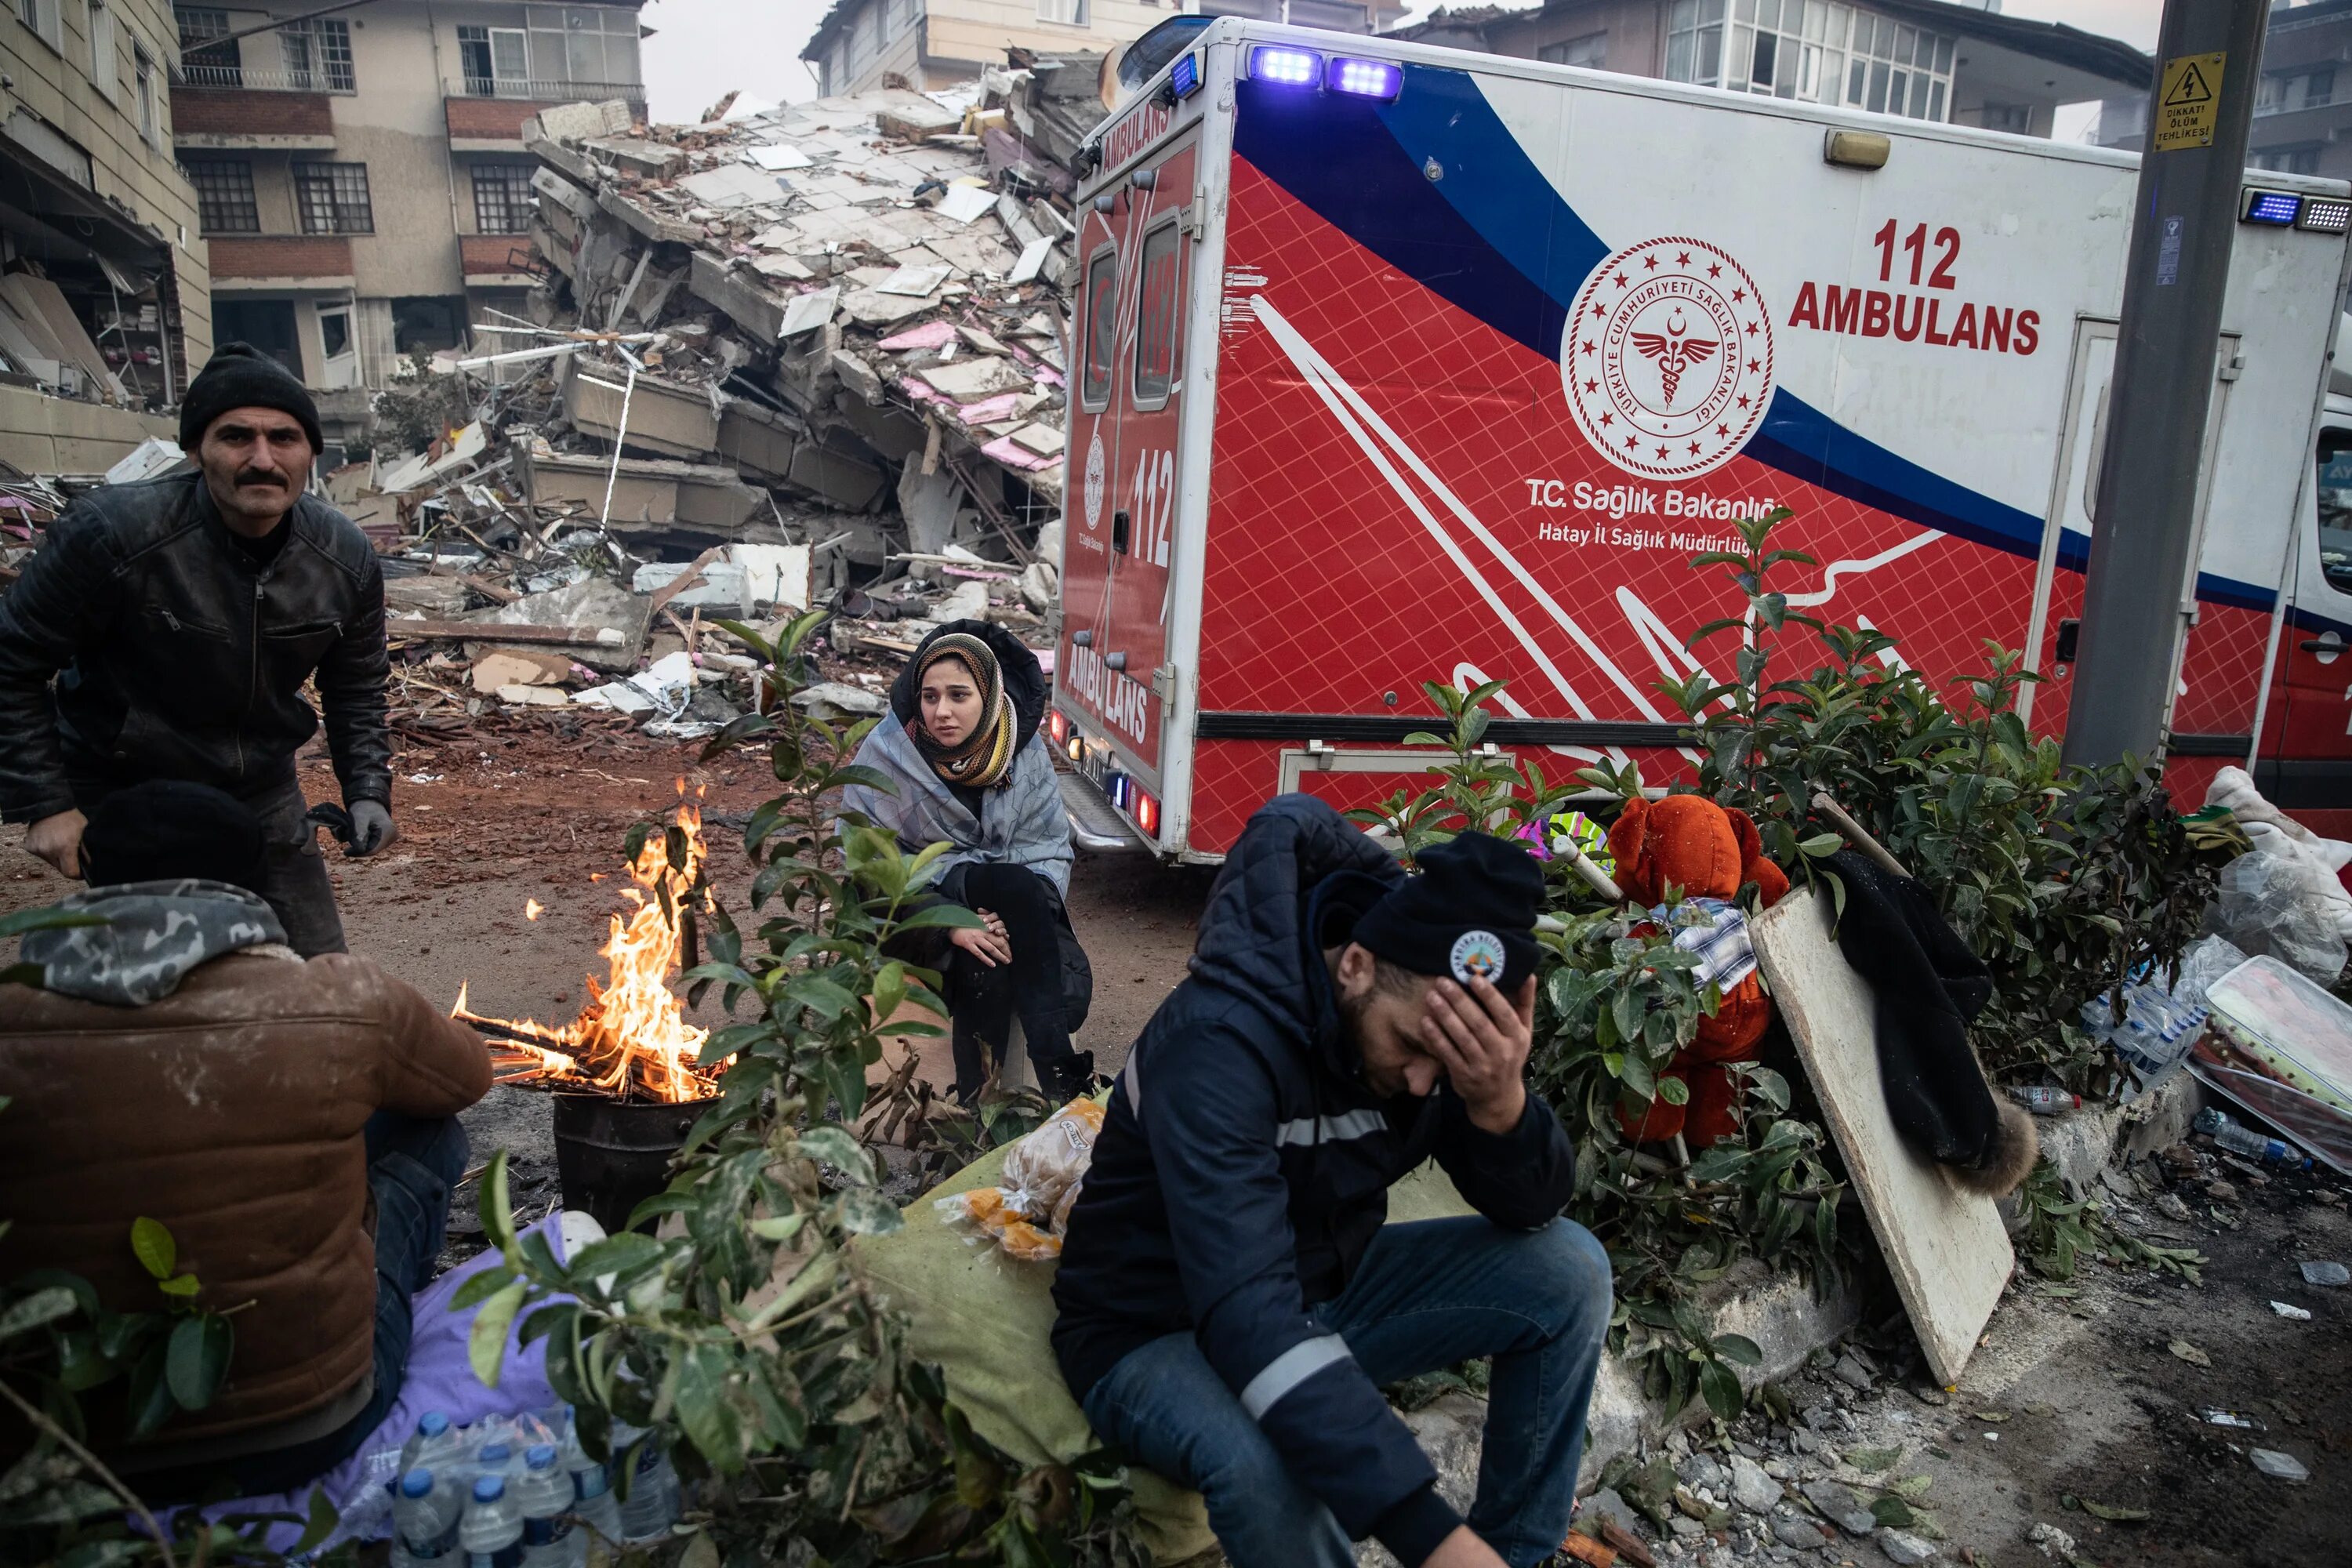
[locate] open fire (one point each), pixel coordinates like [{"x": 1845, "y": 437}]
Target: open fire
[{"x": 632, "y": 1040}]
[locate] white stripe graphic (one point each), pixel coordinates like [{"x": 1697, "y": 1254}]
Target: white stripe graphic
[
  {"x": 1302, "y": 354},
  {"x": 1323, "y": 379},
  {"x": 1289, "y": 1369},
  {"x": 1307, "y": 1130}
]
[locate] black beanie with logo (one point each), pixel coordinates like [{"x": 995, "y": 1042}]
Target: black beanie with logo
[
  {"x": 1470, "y": 912},
  {"x": 240, "y": 375}
]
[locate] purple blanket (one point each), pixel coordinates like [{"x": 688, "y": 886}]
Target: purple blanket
[{"x": 439, "y": 1378}]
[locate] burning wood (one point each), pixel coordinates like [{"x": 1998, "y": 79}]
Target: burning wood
[{"x": 632, "y": 1040}]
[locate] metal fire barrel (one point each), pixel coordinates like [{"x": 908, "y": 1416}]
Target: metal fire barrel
[{"x": 610, "y": 1155}]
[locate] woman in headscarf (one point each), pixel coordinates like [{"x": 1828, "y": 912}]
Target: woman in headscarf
[{"x": 961, "y": 747}]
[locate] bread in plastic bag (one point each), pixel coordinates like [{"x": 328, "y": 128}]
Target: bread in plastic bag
[{"x": 1027, "y": 1215}]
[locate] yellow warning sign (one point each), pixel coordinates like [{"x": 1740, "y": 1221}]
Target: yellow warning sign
[{"x": 2187, "y": 103}]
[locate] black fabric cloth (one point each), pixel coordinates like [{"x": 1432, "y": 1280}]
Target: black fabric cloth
[
  {"x": 240, "y": 375},
  {"x": 294, "y": 879},
  {"x": 172, "y": 657},
  {"x": 261, "y": 551},
  {"x": 1929, "y": 985},
  {"x": 983, "y": 999},
  {"x": 1243, "y": 1169},
  {"x": 165, "y": 829},
  {"x": 1473, "y": 902}
]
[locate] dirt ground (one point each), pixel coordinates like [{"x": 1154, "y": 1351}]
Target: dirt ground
[{"x": 2076, "y": 1397}]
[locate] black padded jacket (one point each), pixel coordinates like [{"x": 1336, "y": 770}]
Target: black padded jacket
[
  {"x": 175, "y": 656},
  {"x": 1244, "y": 1168}
]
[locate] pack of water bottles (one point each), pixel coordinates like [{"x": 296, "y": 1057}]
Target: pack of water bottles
[{"x": 521, "y": 1492}]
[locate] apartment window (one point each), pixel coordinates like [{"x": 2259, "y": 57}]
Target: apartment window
[
  {"x": 207, "y": 63},
  {"x": 46, "y": 17},
  {"x": 1817, "y": 51},
  {"x": 496, "y": 60},
  {"x": 105, "y": 60},
  {"x": 502, "y": 197},
  {"x": 224, "y": 196},
  {"x": 2287, "y": 160},
  {"x": 142, "y": 76},
  {"x": 1586, "y": 51},
  {"x": 333, "y": 199},
  {"x": 583, "y": 44},
  {"x": 2283, "y": 92},
  {"x": 1070, "y": 13},
  {"x": 318, "y": 54}
]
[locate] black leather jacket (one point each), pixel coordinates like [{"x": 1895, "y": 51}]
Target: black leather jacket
[{"x": 175, "y": 656}]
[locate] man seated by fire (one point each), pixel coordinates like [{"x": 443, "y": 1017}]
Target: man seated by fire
[
  {"x": 968, "y": 768},
  {"x": 1230, "y": 1300},
  {"x": 293, "y": 1124}
]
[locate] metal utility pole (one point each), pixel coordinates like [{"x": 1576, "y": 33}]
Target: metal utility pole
[{"x": 2184, "y": 220}]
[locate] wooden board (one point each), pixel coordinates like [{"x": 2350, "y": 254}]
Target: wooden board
[
  {"x": 494, "y": 631},
  {"x": 1945, "y": 1244}
]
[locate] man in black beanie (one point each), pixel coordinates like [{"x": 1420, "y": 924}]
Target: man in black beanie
[
  {"x": 179, "y": 619},
  {"x": 1230, "y": 1300}
]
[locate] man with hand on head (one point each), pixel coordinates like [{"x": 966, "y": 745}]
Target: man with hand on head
[
  {"x": 179, "y": 619},
  {"x": 1230, "y": 1300}
]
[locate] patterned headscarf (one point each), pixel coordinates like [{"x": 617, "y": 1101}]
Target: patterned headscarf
[{"x": 983, "y": 760}]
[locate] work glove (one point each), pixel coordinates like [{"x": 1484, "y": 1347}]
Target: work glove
[
  {"x": 365, "y": 828},
  {"x": 371, "y": 828}
]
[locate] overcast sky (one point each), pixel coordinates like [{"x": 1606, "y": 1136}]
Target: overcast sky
[{"x": 701, "y": 48}]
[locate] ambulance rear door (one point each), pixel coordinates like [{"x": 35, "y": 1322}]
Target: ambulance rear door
[{"x": 1137, "y": 237}]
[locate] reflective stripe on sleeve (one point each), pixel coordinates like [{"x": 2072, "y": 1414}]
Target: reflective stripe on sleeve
[{"x": 1289, "y": 1369}]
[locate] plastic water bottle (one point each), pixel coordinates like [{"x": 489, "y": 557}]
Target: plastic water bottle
[
  {"x": 491, "y": 1532},
  {"x": 652, "y": 1505},
  {"x": 592, "y": 1499},
  {"x": 2043, "y": 1100},
  {"x": 425, "y": 1512},
  {"x": 433, "y": 1445},
  {"x": 497, "y": 1458},
  {"x": 545, "y": 1495},
  {"x": 2245, "y": 1141}
]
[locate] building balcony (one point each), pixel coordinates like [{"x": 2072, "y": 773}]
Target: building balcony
[
  {"x": 249, "y": 114},
  {"x": 309, "y": 262},
  {"x": 497, "y": 260},
  {"x": 486, "y": 117}
]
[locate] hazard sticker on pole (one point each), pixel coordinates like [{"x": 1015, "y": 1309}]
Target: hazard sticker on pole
[{"x": 2188, "y": 102}]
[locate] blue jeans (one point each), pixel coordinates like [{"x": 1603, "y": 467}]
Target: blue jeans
[
  {"x": 1427, "y": 1295},
  {"x": 414, "y": 1163}
]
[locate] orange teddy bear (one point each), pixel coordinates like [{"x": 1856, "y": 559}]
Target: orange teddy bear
[{"x": 1688, "y": 842}]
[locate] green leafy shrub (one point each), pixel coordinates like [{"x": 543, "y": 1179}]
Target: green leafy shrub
[{"x": 740, "y": 1330}]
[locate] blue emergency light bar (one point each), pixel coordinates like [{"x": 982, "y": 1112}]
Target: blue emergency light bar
[
  {"x": 1365, "y": 78},
  {"x": 1292, "y": 68},
  {"x": 1303, "y": 68},
  {"x": 2278, "y": 208},
  {"x": 1186, "y": 80}
]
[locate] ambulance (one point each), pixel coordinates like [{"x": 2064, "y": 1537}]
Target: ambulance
[{"x": 1395, "y": 364}]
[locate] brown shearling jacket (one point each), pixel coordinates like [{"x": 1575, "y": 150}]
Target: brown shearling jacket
[{"x": 230, "y": 1108}]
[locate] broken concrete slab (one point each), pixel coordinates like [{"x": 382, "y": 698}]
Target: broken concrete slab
[
  {"x": 664, "y": 417},
  {"x": 969, "y": 380},
  {"x": 732, "y": 186},
  {"x": 907, "y": 115},
  {"x": 646, "y": 493},
  {"x": 757, "y": 438},
  {"x": 596, "y": 604},
  {"x": 751, "y": 307},
  {"x": 1944, "y": 1244},
  {"x": 654, "y": 160},
  {"x": 808, "y": 311},
  {"x": 868, "y": 308}
]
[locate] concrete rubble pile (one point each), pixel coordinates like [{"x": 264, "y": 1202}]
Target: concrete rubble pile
[{"x": 786, "y": 358}]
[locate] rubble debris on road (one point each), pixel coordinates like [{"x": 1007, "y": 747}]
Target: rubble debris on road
[{"x": 803, "y": 357}]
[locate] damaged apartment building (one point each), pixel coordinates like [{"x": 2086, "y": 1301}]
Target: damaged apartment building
[
  {"x": 104, "y": 284},
  {"x": 360, "y": 179}
]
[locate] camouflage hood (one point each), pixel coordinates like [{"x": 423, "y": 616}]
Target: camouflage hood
[{"x": 155, "y": 933}]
